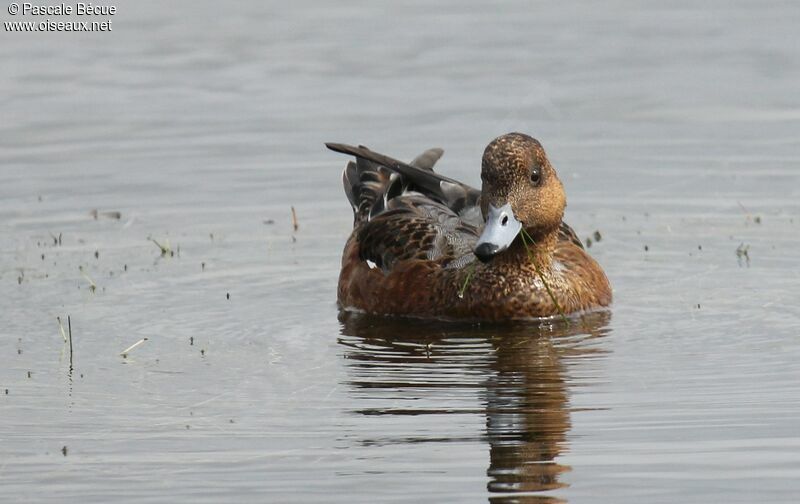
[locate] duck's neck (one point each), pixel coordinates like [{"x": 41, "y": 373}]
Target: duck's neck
[{"x": 531, "y": 248}]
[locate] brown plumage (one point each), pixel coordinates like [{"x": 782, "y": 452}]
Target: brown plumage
[{"x": 412, "y": 250}]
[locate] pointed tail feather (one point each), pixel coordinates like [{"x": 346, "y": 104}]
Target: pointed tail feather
[
  {"x": 369, "y": 182},
  {"x": 427, "y": 159}
]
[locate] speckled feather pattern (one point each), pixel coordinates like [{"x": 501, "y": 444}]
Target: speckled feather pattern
[{"x": 414, "y": 257}]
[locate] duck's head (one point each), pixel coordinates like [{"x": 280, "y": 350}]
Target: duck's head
[{"x": 520, "y": 190}]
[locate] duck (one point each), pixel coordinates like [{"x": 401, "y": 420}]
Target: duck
[{"x": 424, "y": 245}]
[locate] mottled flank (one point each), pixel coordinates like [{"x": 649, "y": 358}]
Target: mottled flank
[{"x": 411, "y": 250}]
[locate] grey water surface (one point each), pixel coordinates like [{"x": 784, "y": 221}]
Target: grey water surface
[{"x": 675, "y": 127}]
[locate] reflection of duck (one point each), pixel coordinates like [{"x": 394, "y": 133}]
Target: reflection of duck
[
  {"x": 417, "y": 234},
  {"x": 517, "y": 371}
]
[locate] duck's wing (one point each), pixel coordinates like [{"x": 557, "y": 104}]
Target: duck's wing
[
  {"x": 408, "y": 212},
  {"x": 415, "y": 227}
]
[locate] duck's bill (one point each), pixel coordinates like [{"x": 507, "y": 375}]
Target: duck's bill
[{"x": 501, "y": 229}]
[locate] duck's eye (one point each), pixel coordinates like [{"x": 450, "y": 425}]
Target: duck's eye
[{"x": 536, "y": 176}]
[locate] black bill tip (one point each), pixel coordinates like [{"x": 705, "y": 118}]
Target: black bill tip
[{"x": 486, "y": 251}]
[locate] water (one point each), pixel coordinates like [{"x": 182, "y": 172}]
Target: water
[{"x": 675, "y": 130}]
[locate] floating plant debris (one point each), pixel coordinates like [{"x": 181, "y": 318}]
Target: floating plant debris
[
  {"x": 125, "y": 352},
  {"x": 108, "y": 215}
]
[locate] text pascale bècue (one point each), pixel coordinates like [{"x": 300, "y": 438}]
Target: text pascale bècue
[{"x": 64, "y": 9}]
